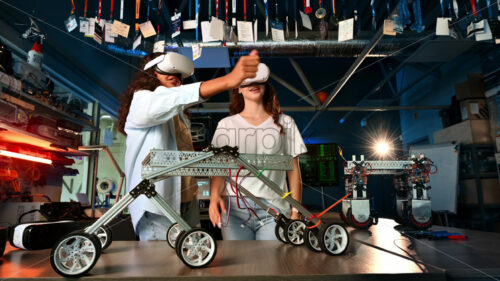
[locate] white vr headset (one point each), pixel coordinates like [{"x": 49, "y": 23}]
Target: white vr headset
[
  {"x": 262, "y": 76},
  {"x": 172, "y": 63}
]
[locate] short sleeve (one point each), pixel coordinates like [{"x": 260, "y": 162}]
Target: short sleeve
[
  {"x": 151, "y": 108},
  {"x": 294, "y": 144}
]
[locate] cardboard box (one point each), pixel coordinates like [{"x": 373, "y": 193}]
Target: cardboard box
[
  {"x": 466, "y": 132},
  {"x": 473, "y": 88},
  {"x": 474, "y": 109},
  {"x": 491, "y": 191}
]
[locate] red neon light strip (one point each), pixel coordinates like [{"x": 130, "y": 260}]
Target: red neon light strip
[{"x": 25, "y": 157}]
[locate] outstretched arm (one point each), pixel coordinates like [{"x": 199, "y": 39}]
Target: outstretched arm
[{"x": 245, "y": 68}]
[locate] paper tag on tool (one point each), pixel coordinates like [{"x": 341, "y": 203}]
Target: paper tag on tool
[
  {"x": 147, "y": 29},
  {"x": 346, "y": 30},
  {"x": 442, "y": 26},
  {"x": 196, "y": 51},
  {"x": 84, "y": 25},
  {"x": 189, "y": 24},
  {"x": 71, "y": 23},
  {"x": 306, "y": 21},
  {"x": 245, "y": 31},
  {"x": 389, "y": 28},
  {"x": 120, "y": 28}
]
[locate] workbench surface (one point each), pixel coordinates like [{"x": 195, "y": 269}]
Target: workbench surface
[{"x": 376, "y": 254}]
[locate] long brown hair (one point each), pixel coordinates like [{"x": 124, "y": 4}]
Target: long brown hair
[
  {"x": 143, "y": 80},
  {"x": 271, "y": 104}
]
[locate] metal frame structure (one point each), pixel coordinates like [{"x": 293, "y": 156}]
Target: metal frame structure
[
  {"x": 76, "y": 254},
  {"x": 413, "y": 205}
]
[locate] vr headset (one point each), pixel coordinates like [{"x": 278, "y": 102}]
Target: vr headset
[
  {"x": 172, "y": 63},
  {"x": 262, "y": 76}
]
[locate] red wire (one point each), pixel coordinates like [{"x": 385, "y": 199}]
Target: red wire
[
  {"x": 474, "y": 10},
  {"x": 100, "y": 9},
  {"x": 236, "y": 185},
  {"x": 217, "y": 8},
  {"x": 227, "y": 10},
  {"x": 333, "y": 205},
  {"x": 371, "y": 169},
  {"x": 85, "y": 9},
  {"x": 245, "y": 10},
  {"x": 111, "y": 13}
]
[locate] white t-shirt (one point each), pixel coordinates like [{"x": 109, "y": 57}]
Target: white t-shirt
[{"x": 262, "y": 139}]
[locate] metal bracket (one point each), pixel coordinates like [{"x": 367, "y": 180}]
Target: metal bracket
[
  {"x": 144, "y": 187},
  {"x": 231, "y": 150}
]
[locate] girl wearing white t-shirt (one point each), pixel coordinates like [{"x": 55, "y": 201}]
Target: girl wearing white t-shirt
[{"x": 256, "y": 126}]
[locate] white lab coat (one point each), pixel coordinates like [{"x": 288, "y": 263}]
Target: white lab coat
[{"x": 150, "y": 125}]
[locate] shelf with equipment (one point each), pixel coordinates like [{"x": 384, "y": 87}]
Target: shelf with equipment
[
  {"x": 37, "y": 105},
  {"x": 12, "y": 135},
  {"x": 34, "y": 117}
]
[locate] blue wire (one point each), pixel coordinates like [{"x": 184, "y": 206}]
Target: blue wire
[
  {"x": 388, "y": 8},
  {"x": 189, "y": 8},
  {"x": 374, "y": 19},
  {"x": 490, "y": 12},
  {"x": 417, "y": 25},
  {"x": 196, "y": 18}
]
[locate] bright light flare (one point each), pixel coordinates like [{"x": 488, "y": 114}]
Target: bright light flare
[
  {"x": 25, "y": 157},
  {"x": 382, "y": 148}
]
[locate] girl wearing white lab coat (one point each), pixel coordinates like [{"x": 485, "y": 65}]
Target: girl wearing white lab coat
[{"x": 146, "y": 115}]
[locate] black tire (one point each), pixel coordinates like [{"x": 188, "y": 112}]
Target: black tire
[
  {"x": 105, "y": 236},
  {"x": 325, "y": 239},
  {"x": 397, "y": 218},
  {"x": 356, "y": 224},
  {"x": 75, "y": 238},
  {"x": 311, "y": 239},
  {"x": 3, "y": 241},
  {"x": 343, "y": 217},
  {"x": 171, "y": 232},
  {"x": 294, "y": 232},
  {"x": 211, "y": 247},
  {"x": 179, "y": 237},
  {"x": 418, "y": 225},
  {"x": 279, "y": 231}
]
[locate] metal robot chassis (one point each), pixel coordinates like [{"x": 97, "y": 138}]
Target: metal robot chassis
[
  {"x": 76, "y": 254},
  {"x": 412, "y": 203}
]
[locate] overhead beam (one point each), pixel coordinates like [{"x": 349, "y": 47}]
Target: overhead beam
[
  {"x": 422, "y": 67},
  {"x": 293, "y": 89},
  {"x": 304, "y": 80},
  {"x": 373, "y": 42},
  {"x": 394, "y": 93},
  {"x": 378, "y": 86},
  {"x": 225, "y": 108}
]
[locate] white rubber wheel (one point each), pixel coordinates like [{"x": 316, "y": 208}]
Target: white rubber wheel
[
  {"x": 104, "y": 236},
  {"x": 173, "y": 232},
  {"x": 197, "y": 248},
  {"x": 294, "y": 233},
  {"x": 279, "y": 232},
  {"x": 333, "y": 239},
  {"x": 311, "y": 240},
  {"x": 75, "y": 254}
]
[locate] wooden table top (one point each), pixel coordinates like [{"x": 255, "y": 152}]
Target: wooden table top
[{"x": 242, "y": 260}]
